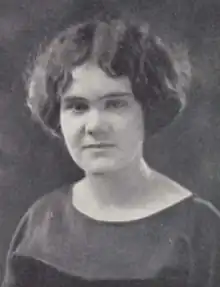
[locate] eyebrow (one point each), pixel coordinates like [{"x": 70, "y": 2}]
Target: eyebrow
[
  {"x": 116, "y": 95},
  {"x": 106, "y": 96}
]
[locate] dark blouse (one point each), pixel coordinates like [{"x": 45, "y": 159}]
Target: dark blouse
[{"x": 56, "y": 245}]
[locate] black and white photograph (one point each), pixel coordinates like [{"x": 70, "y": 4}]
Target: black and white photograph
[{"x": 110, "y": 143}]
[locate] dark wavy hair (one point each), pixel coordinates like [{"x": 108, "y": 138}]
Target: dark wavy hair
[{"x": 120, "y": 48}]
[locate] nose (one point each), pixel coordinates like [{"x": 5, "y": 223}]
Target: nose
[{"x": 95, "y": 122}]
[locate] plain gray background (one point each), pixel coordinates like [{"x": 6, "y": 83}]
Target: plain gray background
[{"x": 32, "y": 164}]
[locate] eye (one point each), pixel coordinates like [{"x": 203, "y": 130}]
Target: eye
[
  {"x": 80, "y": 107},
  {"x": 76, "y": 106},
  {"x": 115, "y": 104}
]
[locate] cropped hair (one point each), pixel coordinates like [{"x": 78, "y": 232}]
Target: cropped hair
[{"x": 119, "y": 48}]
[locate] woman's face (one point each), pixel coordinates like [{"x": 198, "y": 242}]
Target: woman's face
[{"x": 101, "y": 121}]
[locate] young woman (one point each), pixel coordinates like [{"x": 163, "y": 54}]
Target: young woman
[{"x": 105, "y": 87}]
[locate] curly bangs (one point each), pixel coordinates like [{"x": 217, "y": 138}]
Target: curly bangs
[{"x": 119, "y": 48}]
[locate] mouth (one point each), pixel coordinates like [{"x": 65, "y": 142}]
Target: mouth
[{"x": 98, "y": 146}]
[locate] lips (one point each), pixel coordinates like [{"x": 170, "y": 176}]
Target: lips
[{"x": 98, "y": 146}]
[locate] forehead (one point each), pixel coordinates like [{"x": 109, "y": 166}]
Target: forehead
[{"x": 91, "y": 81}]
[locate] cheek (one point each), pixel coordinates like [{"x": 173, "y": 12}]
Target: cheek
[
  {"x": 130, "y": 119},
  {"x": 70, "y": 128},
  {"x": 138, "y": 122},
  {"x": 132, "y": 127}
]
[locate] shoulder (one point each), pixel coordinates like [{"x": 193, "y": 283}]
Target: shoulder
[
  {"x": 34, "y": 234},
  {"x": 196, "y": 206},
  {"x": 51, "y": 201},
  {"x": 169, "y": 193},
  {"x": 48, "y": 207},
  {"x": 205, "y": 208},
  {"x": 204, "y": 218},
  {"x": 38, "y": 217}
]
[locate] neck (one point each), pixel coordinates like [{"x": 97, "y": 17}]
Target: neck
[{"x": 122, "y": 187}]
